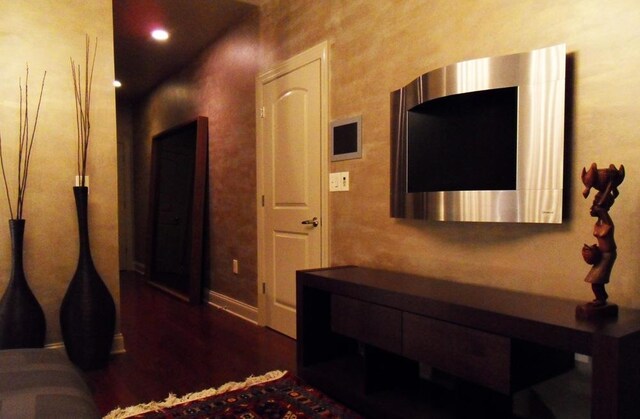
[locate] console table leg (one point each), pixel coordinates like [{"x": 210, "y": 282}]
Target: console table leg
[{"x": 615, "y": 378}]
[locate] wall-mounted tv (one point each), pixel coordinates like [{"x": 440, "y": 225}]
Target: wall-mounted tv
[{"x": 481, "y": 141}]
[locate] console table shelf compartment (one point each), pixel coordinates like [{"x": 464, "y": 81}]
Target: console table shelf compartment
[{"x": 527, "y": 321}]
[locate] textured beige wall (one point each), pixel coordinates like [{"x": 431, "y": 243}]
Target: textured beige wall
[
  {"x": 379, "y": 46},
  {"x": 221, "y": 86},
  {"x": 45, "y": 34}
]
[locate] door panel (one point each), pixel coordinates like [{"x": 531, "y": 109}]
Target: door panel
[
  {"x": 290, "y": 158},
  {"x": 295, "y": 246},
  {"x": 174, "y": 190}
]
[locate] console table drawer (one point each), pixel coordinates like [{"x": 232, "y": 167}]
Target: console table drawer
[
  {"x": 476, "y": 356},
  {"x": 369, "y": 323}
]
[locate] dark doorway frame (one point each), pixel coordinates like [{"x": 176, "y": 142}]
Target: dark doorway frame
[{"x": 195, "y": 232}]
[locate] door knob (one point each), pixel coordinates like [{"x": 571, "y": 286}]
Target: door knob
[{"x": 314, "y": 221}]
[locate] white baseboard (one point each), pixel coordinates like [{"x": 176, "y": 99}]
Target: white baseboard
[
  {"x": 221, "y": 301},
  {"x": 118, "y": 344},
  {"x": 54, "y": 345},
  {"x": 139, "y": 267},
  {"x": 116, "y": 348},
  {"x": 583, "y": 358},
  {"x": 233, "y": 306}
]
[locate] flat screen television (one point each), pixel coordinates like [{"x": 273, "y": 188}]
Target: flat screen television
[{"x": 482, "y": 141}]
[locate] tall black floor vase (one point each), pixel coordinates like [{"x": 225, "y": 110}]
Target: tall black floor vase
[
  {"x": 22, "y": 323},
  {"x": 88, "y": 313}
]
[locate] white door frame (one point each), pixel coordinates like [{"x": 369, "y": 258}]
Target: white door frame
[{"x": 319, "y": 52}]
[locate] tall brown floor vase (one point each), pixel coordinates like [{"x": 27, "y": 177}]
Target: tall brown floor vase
[
  {"x": 22, "y": 322},
  {"x": 88, "y": 313}
]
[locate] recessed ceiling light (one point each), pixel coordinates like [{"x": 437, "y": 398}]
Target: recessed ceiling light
[
  {"x": 160, "y": 35},
  {"x": 116, "y": 83}
]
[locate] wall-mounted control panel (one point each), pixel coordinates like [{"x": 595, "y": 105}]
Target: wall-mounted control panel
[{"x": 339, "y": 182}]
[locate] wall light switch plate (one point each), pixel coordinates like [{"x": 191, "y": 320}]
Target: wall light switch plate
[
  {"x": 344, "y": 181},
  {"x": 334, "y": 182},
  {"x": 339, "y": 182}
]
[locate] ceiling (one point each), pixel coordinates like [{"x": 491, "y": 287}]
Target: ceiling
[{"x": 141, "y": 62}]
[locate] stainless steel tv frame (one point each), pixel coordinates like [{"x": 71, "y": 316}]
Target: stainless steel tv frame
[{"x": 540, "y": 78}]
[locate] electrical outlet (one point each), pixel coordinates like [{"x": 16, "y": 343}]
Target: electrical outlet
[{"x": 235, "y": 266}]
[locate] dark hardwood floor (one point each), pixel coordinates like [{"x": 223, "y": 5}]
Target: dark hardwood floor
[{"x": 172, "y": 347}]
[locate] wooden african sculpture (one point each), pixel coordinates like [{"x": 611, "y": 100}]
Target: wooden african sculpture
[{"x": 602, "y": 255}]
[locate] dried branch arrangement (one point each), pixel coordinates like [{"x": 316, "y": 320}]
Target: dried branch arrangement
[
  {"x": 82, "y": 91},
  {"x": 26, "y": 137}
]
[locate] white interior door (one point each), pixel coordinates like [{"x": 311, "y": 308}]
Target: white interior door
[{"x": 292, "y": 217}]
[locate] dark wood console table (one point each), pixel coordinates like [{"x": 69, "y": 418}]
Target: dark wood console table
[{"x": 361, "y": 329}]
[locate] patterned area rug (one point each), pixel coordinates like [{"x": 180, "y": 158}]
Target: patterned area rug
[{"x": 275, "y": 395}]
